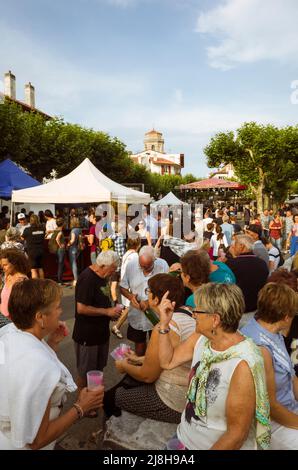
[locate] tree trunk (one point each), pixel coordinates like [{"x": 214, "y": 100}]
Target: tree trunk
[
  {"x": 260, "y": 190},
  {"x": 266, "y": 201}
]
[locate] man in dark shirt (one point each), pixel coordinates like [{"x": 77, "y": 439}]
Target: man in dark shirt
[
  {"x": 91, "y": 331},
  {"x": 250, "y": 271}
]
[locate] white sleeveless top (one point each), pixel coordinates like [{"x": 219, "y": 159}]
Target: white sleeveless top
[
  {"x": 199, "y": 434},
  {"x": 172, "y": 385}
]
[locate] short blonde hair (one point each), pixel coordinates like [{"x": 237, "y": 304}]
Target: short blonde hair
[
  {"x": 224, "y": 299},
  {"x": 275, "y": 301}
]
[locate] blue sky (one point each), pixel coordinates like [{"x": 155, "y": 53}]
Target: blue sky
[{"x": 190, "y": 68}]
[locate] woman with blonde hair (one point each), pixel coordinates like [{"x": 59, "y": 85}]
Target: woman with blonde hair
[
  {"x": 277, "y": 306},
  {"x": 227, "y": 404},
  {"x": 34, "y": 383}
]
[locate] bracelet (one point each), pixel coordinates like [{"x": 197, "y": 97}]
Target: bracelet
[
  {"x": 163, "y": 331},
  {"x": 79, "y": 410}
]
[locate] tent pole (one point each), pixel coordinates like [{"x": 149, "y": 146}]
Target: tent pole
[{"x": 11, "y": 210}]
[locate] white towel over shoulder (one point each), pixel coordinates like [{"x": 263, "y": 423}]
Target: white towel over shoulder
[{"x": 30, "y": 375}]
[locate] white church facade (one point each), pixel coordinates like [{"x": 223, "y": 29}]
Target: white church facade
[{"x": 156, "y": 159}]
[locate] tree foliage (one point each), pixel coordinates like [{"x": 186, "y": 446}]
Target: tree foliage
[
  {"x": 264, "y": 157},
  {"x": 40, "y": 146}
]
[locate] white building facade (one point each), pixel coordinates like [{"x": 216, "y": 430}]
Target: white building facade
[{"x": 156, "y": 159}]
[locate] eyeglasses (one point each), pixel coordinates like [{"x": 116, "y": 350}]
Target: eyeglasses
[{"x": 200, "y": 312}]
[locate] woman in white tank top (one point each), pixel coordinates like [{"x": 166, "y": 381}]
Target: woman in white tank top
[{"x": 227, "y": 402}]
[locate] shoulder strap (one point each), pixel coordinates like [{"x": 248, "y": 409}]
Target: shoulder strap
[{"x": 183, "y": 310}]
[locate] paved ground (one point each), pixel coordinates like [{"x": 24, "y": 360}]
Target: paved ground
[{"x": 80, "y": 436}]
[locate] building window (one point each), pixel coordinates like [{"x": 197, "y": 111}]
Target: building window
[{"x": 152, "y": 147}]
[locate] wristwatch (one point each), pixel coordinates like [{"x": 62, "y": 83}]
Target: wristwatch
[{"x": 163, "y": 331}]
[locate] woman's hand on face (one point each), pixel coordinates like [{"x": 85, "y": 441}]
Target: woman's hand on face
[
  {"x": 59, "y": 334},
  {"x": 166, "y": 310},
  {"x": 91, "y": 399}
]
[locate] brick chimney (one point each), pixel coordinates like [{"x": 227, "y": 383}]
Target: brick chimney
[
  {"x": 10, "y": 85},
  {"x": 30, "y": 95}
]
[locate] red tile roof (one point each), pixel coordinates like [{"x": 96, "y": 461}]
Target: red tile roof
[
  {"x": 25, "y": 106},
  {"x": 163, "y": 161},
  {"x": 212, "y": 183}
]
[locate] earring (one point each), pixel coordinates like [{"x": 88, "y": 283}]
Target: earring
[
  {"x": 42, "y": 325},
  {"x": 213, "y": 331}
]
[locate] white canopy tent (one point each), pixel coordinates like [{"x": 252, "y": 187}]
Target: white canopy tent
[
  {"x": 84, "y": 184},
  {"x": 292, "y": 201},
  {"x": 169, "y": 200}
]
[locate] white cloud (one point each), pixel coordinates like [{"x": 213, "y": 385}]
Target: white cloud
[
  {"x": 251, "y": 30},
  {"x": 1, "y": 86}
]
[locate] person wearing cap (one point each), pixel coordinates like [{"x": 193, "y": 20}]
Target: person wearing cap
[
  {"x": 259, "y": 249},
  {"x": 22, "y": 222}
]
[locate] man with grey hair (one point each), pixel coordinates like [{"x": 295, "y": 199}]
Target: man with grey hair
[
  {"x": 250, "y": 271},
  {"x": 133, "y": 286},
  {"x": 93, "y": 313},
  {"x": 12, "y": 240}
]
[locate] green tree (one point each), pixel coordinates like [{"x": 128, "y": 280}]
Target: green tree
[
  {"x": 41, "y": 146},
  {"x": 264, "y": 157}
]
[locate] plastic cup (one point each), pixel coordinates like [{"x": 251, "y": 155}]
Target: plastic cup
[
  {"x": 124, "y": 348},
  {"x": 119, "y": 307},
  {"x": 94, "y": 379},
  {"x": 175, "y": 444}
]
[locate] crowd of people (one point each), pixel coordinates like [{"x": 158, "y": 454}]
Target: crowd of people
[{"x": 212, "y": 322}]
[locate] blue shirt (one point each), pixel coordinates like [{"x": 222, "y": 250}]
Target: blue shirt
[
  {"x": 228, "y": 231},
  {"x": 283, "y": 368},
  {"x": 223, "y": 275}
]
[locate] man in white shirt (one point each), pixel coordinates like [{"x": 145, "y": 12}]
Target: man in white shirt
[
  {"x": 133, "y": 286},
  {"x": 207, "y": 219},
  {"x": 22, "y": 223}
]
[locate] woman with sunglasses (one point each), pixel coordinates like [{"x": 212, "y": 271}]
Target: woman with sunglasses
[
  {"x": 147, "y": 390},
  {"x": 227, "y": 404}
]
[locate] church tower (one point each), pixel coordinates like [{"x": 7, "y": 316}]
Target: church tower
[{"x": 154, "y": 141}]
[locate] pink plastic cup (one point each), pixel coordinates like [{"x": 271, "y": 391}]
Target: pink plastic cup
[
  {"x": 124, "y": 348},
  {"x": 94, "y": 379}
]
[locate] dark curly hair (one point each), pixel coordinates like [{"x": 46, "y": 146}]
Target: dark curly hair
[{"x": 18, "y": 259}]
